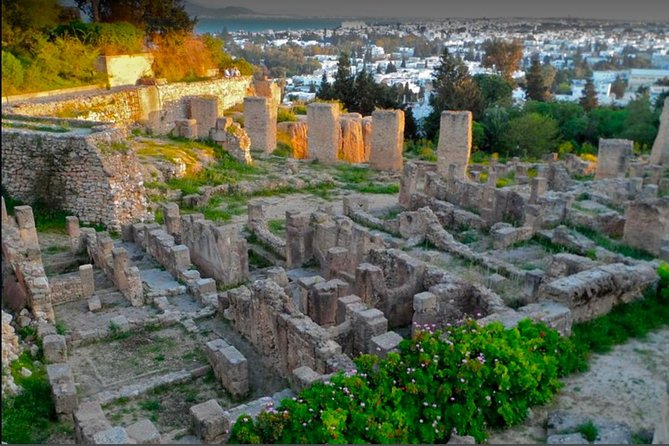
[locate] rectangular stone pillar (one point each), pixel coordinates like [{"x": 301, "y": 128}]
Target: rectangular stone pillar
[
  {"x": 260, "y": 123},
  {"x": 408, "y": 184},
  {"x": 613, "y": 158},
  {"x": 74, "y": 232},
  {"x": 172, "y": 218},
  {"x": 455, "y": 142},
  {"x": 204, "y": 109},
  {"x": 299, "y": 239},
  {"x": 121, "y": 259},
  {"x": 660, "y": 152},
  {"x": 4, "y": 211},
  {"x": 336, "y": 261},
  {"x": 539, "y": 186},
  {"x": 87, "y": 278},
  {"x": 387, "y": 140},
  {"x": 26, "y": 223},
  {"x": 323, "y": 298},
  {"x": 323, "y": 131}
]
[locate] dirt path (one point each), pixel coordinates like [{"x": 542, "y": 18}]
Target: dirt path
[{"x": 625, "y": 385}]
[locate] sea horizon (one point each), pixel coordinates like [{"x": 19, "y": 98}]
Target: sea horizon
[{"x": 260, "y": 24}]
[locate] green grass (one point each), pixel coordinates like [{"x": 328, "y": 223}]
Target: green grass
[
  {"x": 612, "y": 245},
  {"x": 150, "y": 405},
  {"x": 589, "y": 431},
  {"x": 55, "y": 249},
  {"x": 257, "y": 261},
  {"x": 632, "y": 320},
  {"x": 37, "y": 127},
  {"x": 30, "y": 416},
  {"x": 277, "y": 226}
]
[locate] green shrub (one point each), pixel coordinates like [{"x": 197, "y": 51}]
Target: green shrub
[
  {"x": 12, "y": 73},
  {"x": 468, "y": 378},
  {"x": 285, "y": 115},
  {"x": 589, "y": 431}
]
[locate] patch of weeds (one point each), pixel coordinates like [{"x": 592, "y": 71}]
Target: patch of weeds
[
  {"x": 55, "y": 249},
  {"x": 115, "y": 332},
  {"x": 61, "y": 328},
  {"x": 613, "y": 246},
  {"x": 191, "y": 396},
  {"x": 578, "y": 177},
  {"x": 150, "y": 405},
  {"x": 277, "y": 226},
  {"x": 391, "y": 214},
  {"x": 589, "y": 431},
  {"x": 153, "y": 327},
  {"x": 27, "y": 332},
  {"x": 283, "y": 150},
  {"x": 159, "y": 358},
  {"x": 195, "y": 355},
  {"x": 469, "y": 237},
  {"x": 210, "y": 377},
  {"x": 257, "y": 260}
]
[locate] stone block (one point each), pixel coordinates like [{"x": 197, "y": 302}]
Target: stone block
[
  {"x": 204, "y": 110},
  {"x": 260, "y": 123},
  {"x": 209, "y": 420},
  {"x": 323, "y": 131},
  {"x": 87, "y": 277},
  {"x": 613, "y": 158},
  {"x": 120, "y": 323},
  {"x": 144, "y": 432},
  {"x": 89, "y": 419},
  {"x": 385, "y": 343},
  {"x": 115, "y": 435},
  {"x": 425, "y": 302},
  {"x": 94, "y": 304},
  {"x": 303, "y": 377},
  {"x": 387, "y": 140},
  {"x": 455, "y": 142},
  {"x": 55, "y": 348},
  {"x": 63, "y": 391}
]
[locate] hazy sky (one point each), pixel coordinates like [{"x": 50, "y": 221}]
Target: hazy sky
[{"x": 615, "y": 9}]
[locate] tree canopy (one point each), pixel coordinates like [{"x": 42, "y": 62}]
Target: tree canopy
[{"x": 503, "y": 55}]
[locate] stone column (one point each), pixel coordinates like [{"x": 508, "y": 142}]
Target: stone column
[
  {"x": 172, "y": 219},
  {"x": 408, "y": 184},
  {"x": 660, "y": 152},
  {"x": 539, "y": 186},
  {"x": 204, "y": 109},
  {"x": 260, "y": 123},
  {"x": 26, "y": 223},
  {"x": 4, "y": 211},
  {"x": 299, "y": 239},
  {"x": 387, "y": 140},
  {"x": 613, "y": 158},
  {"x": 455, "y": 142},
  {"x": 87, "y": 278},
  {"x": 121, "y": 259},
  {"x": 323, "y": 131},
  {"x": 352, "y": 145},
  {"x": 74, "y": 232}
]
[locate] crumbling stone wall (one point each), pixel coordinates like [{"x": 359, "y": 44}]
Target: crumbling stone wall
[
  {"x": 593, "y": 292},
  {"x": 323, "y": 131},
  {"x": 266, "y": 316},
  {"x": 10, "y": 352},
  {"x": 92, "y": 175},
  {"x": 157, "y": 106}
]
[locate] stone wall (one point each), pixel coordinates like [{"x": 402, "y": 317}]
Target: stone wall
[
  {"x": 387, "y": 140},
  {"x": 156, "y": 106},
  {"x": 455, "y": 142},
  {"x": 660, "y": 152},
  {"x": 89, "y": 172},
  {"x": 266, "y": 316},
  {"x": 323, "y": 131},
  {"x": 10, "y": 352}
]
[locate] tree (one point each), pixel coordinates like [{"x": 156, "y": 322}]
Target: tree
[
  {"x": 536, "y": 89},
  {"x": 342, "y": 87},
  {"x": 618, "y": 87},
  {"x": 154, "y": 16},
  {"x": 503, "y": 55},
  {"x": 391, "y": 68},
  {"x": 642, "y": 123},
  {"x": 404, "y": 62},
  {"x": 410, "y": 126},
  {"x": 532, "y": 135},
  {"x": 589, "y": 98},
  {"x": 495, "y": 90},
  {"x": 23, "y": 19}
]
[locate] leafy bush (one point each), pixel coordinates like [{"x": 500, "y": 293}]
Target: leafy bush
[
  {"x": 179, "y": 57},
  {"x": 284, "y": 115},
  {"x": 468, "y": 378},
  {"x": 12, "y": 73},
  {"x": 110, "y": 38}
]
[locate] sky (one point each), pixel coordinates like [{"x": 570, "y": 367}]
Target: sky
[{"x": 656, "y": 10}]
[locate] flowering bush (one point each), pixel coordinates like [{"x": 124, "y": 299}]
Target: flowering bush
[{"x": 466, "y": 378}]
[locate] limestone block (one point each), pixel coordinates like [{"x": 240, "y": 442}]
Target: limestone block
[
  {"x": 425, "y": 302},
  {"x": 613, "y": 158},
  {"x": 120, "y": 322},
  {"x": 63, "y": 391},
  {"x": 351, "y": 143},
  {"x": 260, "y": 123},
  {"x": 303, "y": 377},
  {"x": 94, "y": 304},
  {"x": 55, "y": 348},
  {"x": 323, "y": 132},
  {"x": 647, "y": 224},
  {"x": 115, "y": 435},
  {"x": 26, "y": 223},
  {"x": 295, "y": 134},
  {"x": 5, "y": 218},
  {"x": 209, "y": 420},
  {"x": 87, "y": 277},
  {"x": 455, "y": 142},
  {"x": 74, "y": 232},
  {"x": 144, "y": 432},
  {"x": 387, "y": 140},
  {"x": 278, "y": 275},
  {"x": 385, "y": 343},
  {"x": 172, "y": 218},
  {"x": 89, "y": 419},
  {"x": 204, "y": 109}
]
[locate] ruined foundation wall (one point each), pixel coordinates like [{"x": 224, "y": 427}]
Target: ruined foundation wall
[
  {"x": 92, "y": 176},
  {"x": 158, "y": 106}
]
